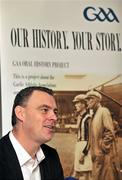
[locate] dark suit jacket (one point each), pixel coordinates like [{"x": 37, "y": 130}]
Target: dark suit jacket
[{"x": 50, "y": 167}]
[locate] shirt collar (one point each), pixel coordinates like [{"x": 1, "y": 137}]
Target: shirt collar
[
  {"x": 83, "y": 112},
  {"x": 22, "y": 154}
]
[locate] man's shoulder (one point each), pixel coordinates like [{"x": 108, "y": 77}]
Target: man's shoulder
[
  {"x": 104, "y": 112},
  {"x": 4, "y": 146},
  {"x": 3, "y": 139},
  {"x": 104, "y": 109}
]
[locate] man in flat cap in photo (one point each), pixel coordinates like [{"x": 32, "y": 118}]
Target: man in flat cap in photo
[
  {"x": 102, "y": 140},
  {"x": 82, "y": 161}
]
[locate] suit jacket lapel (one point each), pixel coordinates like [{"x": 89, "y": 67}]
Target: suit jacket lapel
[
  {"x": 12, "y": 161},
  {"x": 44, "y": 169}
]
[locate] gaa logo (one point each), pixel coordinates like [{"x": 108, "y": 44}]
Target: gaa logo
[{"x": 92, "y": 14}]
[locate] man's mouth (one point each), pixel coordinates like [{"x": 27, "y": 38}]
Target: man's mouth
[{"x": 52, "y": 127}]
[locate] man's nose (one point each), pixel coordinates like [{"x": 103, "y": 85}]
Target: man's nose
[{"x": 53, "y": 115}]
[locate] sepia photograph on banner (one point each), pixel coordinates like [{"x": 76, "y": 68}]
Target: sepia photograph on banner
[{"x": 66, "y": 132}]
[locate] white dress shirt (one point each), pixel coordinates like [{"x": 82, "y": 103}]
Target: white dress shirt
[{"x": 29, "y": 166}]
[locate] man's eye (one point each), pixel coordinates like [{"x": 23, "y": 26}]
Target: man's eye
[
  {"x": 56, "y": 112},
  {"x": 44, "y": 110}
]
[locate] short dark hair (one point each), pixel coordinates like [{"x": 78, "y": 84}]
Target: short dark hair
[{"x": 23, "y": 96}]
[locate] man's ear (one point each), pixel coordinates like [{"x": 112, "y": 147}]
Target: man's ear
[{"x": 19, "y": 111}]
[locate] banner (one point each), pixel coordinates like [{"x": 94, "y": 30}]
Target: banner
[{"x": 69, "y": 46}]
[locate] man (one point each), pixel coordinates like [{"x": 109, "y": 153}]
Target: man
[
  {"x": 102, "y": 140},
  {"x": 82, "y": 162},
  {"x": 23, "y": 154}
]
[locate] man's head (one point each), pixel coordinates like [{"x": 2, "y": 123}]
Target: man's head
[
  {"x": 35, "y": 113},
  {"x": 93, "y": 99},
  {"x": 80, "y": 102},
  {"x": 23, "y": 96}
]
